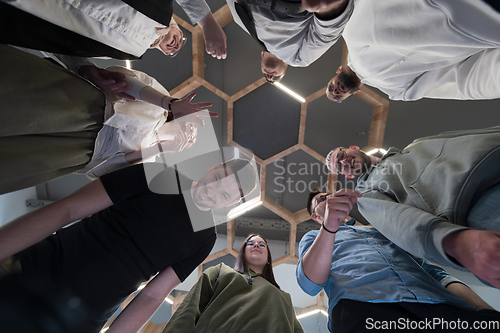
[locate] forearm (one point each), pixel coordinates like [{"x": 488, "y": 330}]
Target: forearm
[
  {"x": 37, "y": 225},
  {"x": 194, "y": 9},
  {"x": 153, "y": 96},
  {"x": 468, "y": 295},
  {"x": 32, "y": 228},
  {"x": 144, "y": 305},
  {"x": 141, "y": 155},
  {"x": 317, "y": 261}
]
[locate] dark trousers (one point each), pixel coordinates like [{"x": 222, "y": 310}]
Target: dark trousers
[
  {"x": 355, "y": 316},
  {"x": 20, "y": 28}
]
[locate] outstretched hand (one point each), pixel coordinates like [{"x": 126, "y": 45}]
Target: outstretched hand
[
  {"x": 185, "y": 111},
  {"x": 478, "y": 251},
  {"x": 106, "y": 80},
  {"x": 215, "y": 38},
  {"x": 338, "y": 206}
]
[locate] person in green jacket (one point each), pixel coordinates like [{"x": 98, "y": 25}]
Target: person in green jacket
[{"x": 241, "y": 300}]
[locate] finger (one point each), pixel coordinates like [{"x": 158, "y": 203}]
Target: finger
[
  {"x": 203, "y": 105},
  {"x": 205, "y": 113},
  {"x": 117, "y": 87},
  {"x": 345, "y": 206},
  {"x": 191, "y": 96},
  {"x": 346, "y": 191}
]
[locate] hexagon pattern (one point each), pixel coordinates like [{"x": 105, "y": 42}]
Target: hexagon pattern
[{"x": 372, "y": 107}]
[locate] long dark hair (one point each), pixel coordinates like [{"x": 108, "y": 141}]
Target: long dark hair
[{"x": 267, "y": 272}]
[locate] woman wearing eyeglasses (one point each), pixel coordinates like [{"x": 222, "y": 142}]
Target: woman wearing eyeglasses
[
  {"x": 245, "y": 299},
  {"x": 55, "y": 122}
]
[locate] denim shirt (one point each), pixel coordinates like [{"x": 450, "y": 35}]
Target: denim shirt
[{"x": 368, "y": 267}]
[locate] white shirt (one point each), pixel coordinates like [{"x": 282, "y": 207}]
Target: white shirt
[
  {"x": 426, "y": 48},
  {"x": 297, "y": 39},
  {"x": 111, "y": 22},
  {"x": 128, "y": 125}
]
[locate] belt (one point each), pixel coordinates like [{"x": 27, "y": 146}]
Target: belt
[{"x": 282, "y": 6}]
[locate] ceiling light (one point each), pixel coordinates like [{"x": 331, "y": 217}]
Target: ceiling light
[
  {"x": 290, "y": 92},
  {"x": 104, "y": 330},
  {"x": 128, "y": 64},
  {"x": 241, "y": 209},
  {"x": 307, "y": 314},
  {"x": 168, "y": 300},
  {"x": 377, "y": 150}
]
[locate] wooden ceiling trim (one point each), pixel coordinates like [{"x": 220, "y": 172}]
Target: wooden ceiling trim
[
  {"x": 263, "y": 171},
  {"x": 248, "y": 89},
  {"x": 278, "y": 209},
  {"x": 302, "y": 125},
  {"x": 293, "y": 238},
  {"x": 281, "y": 154},
  {"x": 316, "y": 95},
  {"x": 313, "y": 153},
  {"x": 377, "y": 127},
  {"x": 223, "y": 16},
  {"x": 185, "y": 87},
  {"x": 183, "y": 23},
  {"x": 230, "y": 122},
  {"x": 301, "y": 216},
  {"x": 215, "y": 90},
  {"x": 198, "y": 53}
]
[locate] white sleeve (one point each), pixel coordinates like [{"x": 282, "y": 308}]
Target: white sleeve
[
  {"x": 137, "y": 86},
  {"x": 72, "y": 63},
  {"x": 477, "y": 77},
  {"x": 110, "y": 164},
  {"x": 195, "y": 9}
]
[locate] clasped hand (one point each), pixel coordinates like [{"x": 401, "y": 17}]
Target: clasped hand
[{"x": 107, "y": 81}]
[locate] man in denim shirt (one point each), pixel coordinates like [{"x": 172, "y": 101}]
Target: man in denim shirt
[{"x": 358, "y": 267}]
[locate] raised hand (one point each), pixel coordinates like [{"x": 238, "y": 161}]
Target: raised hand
[
  {"x": 185, "y": 111},
  {"x": 215, "y": 38},
  {"x": 106, "y": 80}
]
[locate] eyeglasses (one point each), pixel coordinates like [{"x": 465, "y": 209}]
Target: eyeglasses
[
  {"x": 259, "y": 244},
  {"x": 319, "y": 200},
  {"x": 341, "y": 155},
  {"x": 183, "y": 41}
]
